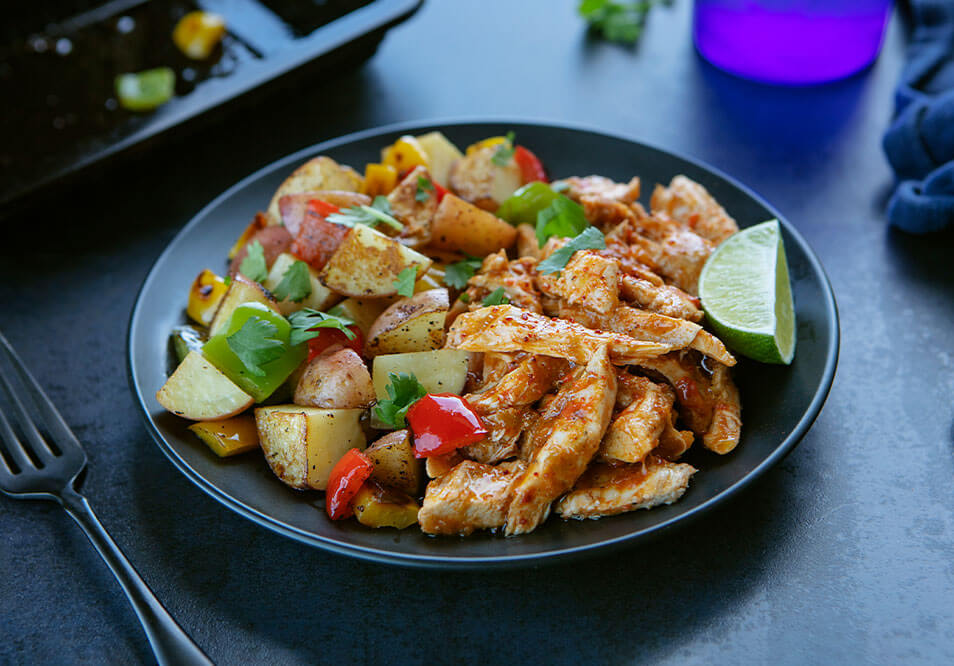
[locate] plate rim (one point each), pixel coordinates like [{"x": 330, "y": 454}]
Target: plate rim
[{"x": 497, "y": 561}]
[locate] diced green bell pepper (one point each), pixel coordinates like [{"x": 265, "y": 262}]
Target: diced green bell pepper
[
  {"x": 187, "y": 338},
  {"x": 145, "y": 91},
  {"x": 258, "y": 381},
  {"x": 524, "y": 204}
]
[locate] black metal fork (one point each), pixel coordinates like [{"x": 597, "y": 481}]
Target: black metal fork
[{"x": 41, "y": 459}]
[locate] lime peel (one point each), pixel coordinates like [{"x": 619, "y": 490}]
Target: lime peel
[{"x": 746, "y": 294}]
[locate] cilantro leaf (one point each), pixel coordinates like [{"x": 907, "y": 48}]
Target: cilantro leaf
[
  {"x": 424, "y": 189},
  {"x": 403, "y": 391},
  {"x": 295, "y": 284},
  {"x": 620, "y": 22},
  {"x": 255, "y": 344},
  {"x": 590, "y": 239},
  {"x": 228, "y": 280},
  {"x": 253, "y": 266},
  {"x": 563, "y": 217},
  {"x": 378, "y": 212},
  {"x": 457, "y": 274},
  {"x": 504, "y": 152},
  {"x": 496, "y": 297},
  {"x": 405, "y": 281},
  {"x": 464, "y": 298},
  {"x": 307, "y": 324}
]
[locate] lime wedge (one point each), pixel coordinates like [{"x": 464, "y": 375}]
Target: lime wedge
[{"x": 745, "y": 292}]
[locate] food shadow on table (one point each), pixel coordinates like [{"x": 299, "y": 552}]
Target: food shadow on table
[{"x": 660, "y": 590}]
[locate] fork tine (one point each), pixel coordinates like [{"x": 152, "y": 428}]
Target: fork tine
[
  {"x": 62, "y": 436},
  {"x": 12, "y": 446}
]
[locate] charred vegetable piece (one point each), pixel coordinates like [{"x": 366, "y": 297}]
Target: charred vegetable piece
[
  {"x": 147, "y": 90},
  {"x": 531, "y": 168},
  {"x": 204, "y": 297},
  {"x": 378, "y": 506},
  {"x": 229, "y": 437},
  {"x": 345, "y": 481},
  {"x": 254, "y": 351}
]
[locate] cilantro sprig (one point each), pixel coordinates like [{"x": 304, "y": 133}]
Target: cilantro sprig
[
  {"x": 504, "y": 152},
  {"x": 563, "y": 217},
  {"x": 307, "y": 324},
  {"x": 424, "y": 189},
  {"x": 620, "y": 22},
  {"x": 379, "y": 212},
  {"x": 590, "y": 239},
  {"x": 457, "y": 274},
  {"x": 405, "y": 281},
  {"x": 496, "y": 297},
  {"x": 295, "y": 284},
  {"x": 403, "y": 391},
  {"x": 256, "y": 344},
  {"x": 253, "y": 266}
]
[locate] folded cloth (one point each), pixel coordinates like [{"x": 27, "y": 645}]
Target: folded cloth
[{"x": 920, "y": 142}]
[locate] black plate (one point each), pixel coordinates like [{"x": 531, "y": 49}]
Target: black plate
[{"x": 779, "y": 403}]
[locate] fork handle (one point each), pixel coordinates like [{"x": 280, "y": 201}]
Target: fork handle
[{"x": 169, "y": 642}]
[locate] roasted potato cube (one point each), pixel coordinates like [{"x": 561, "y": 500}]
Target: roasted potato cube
[
  {"x": 320, "y": 297},
  {"x": 319, "y": 173},
  {"x": 477, "y": 179},
  {"x": 394, "y": 462},
  {"x": 377, "y": 506},
  {"x": 339, "y": 380},
  {"x": 439, "y": 371},
  {"x": 204, "y": 297},
  {"x": 367, "y": 263},
  {"x": 463, "y": 227},
  {"x": 199, "y": 391},
  {"x": 302, "y": 444},
  {"x": 242, "y": 290},
  {"x": 229, "y": 437},
  {"x": 412, "y": 324},
  {"x": 441, "y": 154}
]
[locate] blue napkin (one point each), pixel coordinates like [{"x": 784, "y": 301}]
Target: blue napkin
[{"x": 920, "y": 142}]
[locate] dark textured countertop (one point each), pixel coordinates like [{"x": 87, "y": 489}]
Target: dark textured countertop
[{"x": 842, "y": 553}]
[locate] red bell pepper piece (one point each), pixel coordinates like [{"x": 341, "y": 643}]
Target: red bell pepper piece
[
  {"x": 531, "y": 168},
  {"x": 441, "y": 423},
  {"x": 439, "y": 191},
  {"x": 322, "y": 208},
  {"x": 346, "y": 479},
  {"x": 332, "y": 336}
]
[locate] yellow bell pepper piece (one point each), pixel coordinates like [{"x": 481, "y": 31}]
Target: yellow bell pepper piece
[
  {"x": 204, "y": 296},
  {"x": 197, "y": 34},
  {"x": 378, "y": 506},
  {"x": 229, "y": 437},
  {"x": 405, "y": 154},
  {"x": 491, "y": 141},
  {"x": 379, "y": 179}
]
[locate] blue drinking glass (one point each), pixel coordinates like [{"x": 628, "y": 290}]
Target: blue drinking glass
[{"x": 790, "y": 42}]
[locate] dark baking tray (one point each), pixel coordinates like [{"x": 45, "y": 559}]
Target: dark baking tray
[{"x": 60, "y": 117}]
